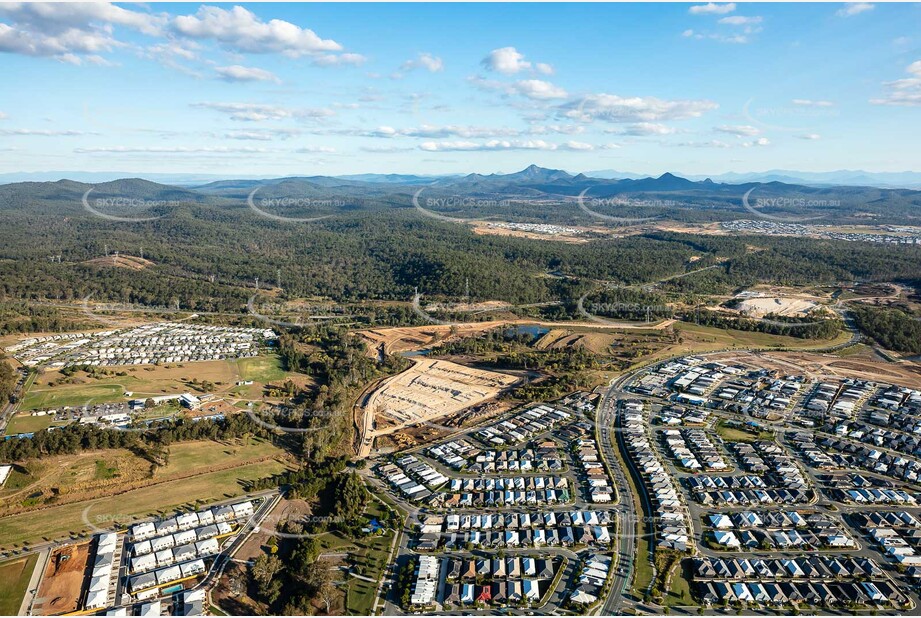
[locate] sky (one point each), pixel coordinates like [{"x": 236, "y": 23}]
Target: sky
[{"x": 327, "y": 89}]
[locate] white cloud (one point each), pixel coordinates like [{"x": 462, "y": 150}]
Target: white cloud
[
  {"x": 3, "y": 116},
  {"x": 315, "y": 149},
  {"x": 722, "y": 38},
  {"x": 263, "y": 135},
  {"x": 425, "y": 60},
  {"x": 740, "y": 20},
  {"x": 538, "y": 89},
  {"x": 240, "y": 30},
  {"x": 812, "y": 103},
  {"x": 810, "y": 136},
  {"x": 256, "y": 112},
  {"x": 238, "y": 73},
  {"x": 614, "y": 108},
  {"x": 508, "y": 61},
  {"x": 338, "y": 60},
  {"x": 42, "y": 133},
  {"x": 54, "y": 17},
  {"x": 644, "y": 128},
  {"x": 738, "y": 130},
  {"x": 578, "y": 146},
  {"x": 67, "y": 31},
  {"x": 714, "y": 143},
  {"x": 468, "y": 146},
  {"x": 171, "y": 150},
  {"x": 905, "y": 91},
  {"x": 712, "y": 8},
  {"x": 855, "y": 8}
]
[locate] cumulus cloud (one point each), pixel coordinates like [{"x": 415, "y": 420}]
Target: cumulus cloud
[
  {"x": 712, "y": 8},
  {"x": 810, "y": 136},
  {"x": 238, "y": 73},
  {"x": 739, "y": 130},
  {"x": 67, "y": 31},
  {"x": 740, "y": 20},
  {"x": 615, "y": 108},
  {"x": 855, "y": 8},
  {"x": 338, "y": 60},
  {"x": 240, "y": 30},
  {"x": 509, "y": 61},
  {"x": 426, "y": 61},
  {"x": 538, "y": 89},
  {"x": 256, "y": 112},
  {"x": 905, "y": 91}
]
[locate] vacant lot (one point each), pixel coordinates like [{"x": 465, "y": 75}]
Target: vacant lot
[
  {"x": 59, "y": 522},
  {"x": 62, "y": 583},
  {"x": 14, "y": 580},
  {"x": 67, "y": 478}
]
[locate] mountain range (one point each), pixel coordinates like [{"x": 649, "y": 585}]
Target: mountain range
[{"x": 889, "y": 180}]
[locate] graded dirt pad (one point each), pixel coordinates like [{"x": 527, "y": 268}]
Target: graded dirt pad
[
  {"x": 430, "y": 390},
  {"x": 61, "y": 589},
  {"x": 403, "y": 339},
  {"x": 777, "y": 305}
]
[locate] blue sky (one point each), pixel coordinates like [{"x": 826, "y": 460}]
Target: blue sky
[{"x": 280, "y": 89}]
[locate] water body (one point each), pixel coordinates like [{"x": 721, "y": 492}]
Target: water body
[
  {"x": 534, "y": 330},
  {"x": 413, "y": 353}
]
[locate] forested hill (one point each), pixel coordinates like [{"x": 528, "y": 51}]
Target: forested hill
[{"x": 533, "y": 194}]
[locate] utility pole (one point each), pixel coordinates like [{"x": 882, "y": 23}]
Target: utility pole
[{"x": 257, "y": 283}]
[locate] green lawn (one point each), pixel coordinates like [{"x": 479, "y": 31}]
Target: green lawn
[
  {"x": 25, "y": 423},
  {"x": 679, "y": 591},
  {"x": 70, "y": 395},
  {"x": 262, "y": 369},
  {"x": 14, "y": 580}
]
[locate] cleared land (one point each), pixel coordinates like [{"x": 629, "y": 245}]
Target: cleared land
[
  {"x": 64, "y": 478},
  {"x": 429, "y": 390},
  {"x": 189, "y": 478},
  {"x": 777, "y": 305},
  {"x": 14, "y": 580},
  {"x": 62, "y": 582}
]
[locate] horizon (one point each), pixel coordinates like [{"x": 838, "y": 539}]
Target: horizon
[{"x": 266, "y": 90}]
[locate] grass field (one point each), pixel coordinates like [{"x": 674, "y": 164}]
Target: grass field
[
  {"x": 262, "y": 369},
  {"x": 45, "y": 397},
  {"x": 29, "y": 424},
  {"x": 72, "y": 477},
  {"x": 14, "y": 580},
  {"x": 371, "y": 558},
  {"x": 733, "y": 434},
  {"x": 62, "y": 521},
  {"x": 153, "y": 380},
  {"x": 698, "y": 339}
]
